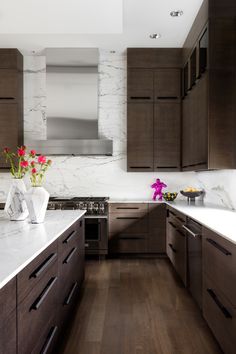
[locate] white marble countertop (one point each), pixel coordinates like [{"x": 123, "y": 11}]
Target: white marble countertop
[
  {"x": 21, "y": 242},
  {"x": 216, "y": 218}
]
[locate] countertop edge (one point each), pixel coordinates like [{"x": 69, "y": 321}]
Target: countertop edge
[{"x": 29, "y": 260}]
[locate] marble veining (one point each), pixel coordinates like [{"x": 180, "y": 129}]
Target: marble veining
[
  {"x": 107, "y": 175},
  {"x": 21, "y": 241}
]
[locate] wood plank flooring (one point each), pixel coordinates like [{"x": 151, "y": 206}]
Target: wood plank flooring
[{"x": 134, "y": 306}]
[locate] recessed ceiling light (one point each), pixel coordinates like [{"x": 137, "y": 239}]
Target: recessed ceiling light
[
  {"x": 176, "y": 13},
  {"x": 155, "y": 35}
]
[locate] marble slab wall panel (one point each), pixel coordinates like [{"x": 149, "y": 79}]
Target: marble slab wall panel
[{"x": 106, "y": 175}]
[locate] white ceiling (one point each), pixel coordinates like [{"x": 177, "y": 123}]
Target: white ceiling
[{"x": 140, "y": 18}]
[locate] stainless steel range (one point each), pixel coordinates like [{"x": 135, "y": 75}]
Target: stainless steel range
[{"x": 96, "y": 232}]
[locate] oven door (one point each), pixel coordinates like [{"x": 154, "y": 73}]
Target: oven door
[{"x": 96, "y": 238}]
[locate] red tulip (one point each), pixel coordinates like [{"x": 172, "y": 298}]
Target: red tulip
[
  {"x": 6, "y": 150},
  {"x": 32, "y": 153},
  {"x": 24, "y": 164},
  {"x": 21, "y": 152},
  {"x": 34, "y": 170},
  {"x": 32, "y": 163},
  {"x": 42, "y": 159}
]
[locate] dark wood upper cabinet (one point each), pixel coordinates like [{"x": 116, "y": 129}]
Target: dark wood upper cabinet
[
  {"x": 11, "y": 101},
  {"x": 167, "y": 84},
  {"x": 167, "y": 124},
  {"x": 209, "y": 106},
  {"x": 154, "y": 109},
  {"x": 140, "y": 85},
  {"x": 140, "y": 137}
]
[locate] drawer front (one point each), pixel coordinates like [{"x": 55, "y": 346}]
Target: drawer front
[
  {"x": 128, "y": 224},
  {"x": 219, "y": 263},
  {"x": 176, "y": 217},
  {"x": 68, "y": 266},
  {"x": 8, "y": 299},
  {"x": 124, "y": 243},
  {"x": 46, "y": 343},
  {"x": 8, "y": 85},
  {"x": 68, "y": 297},
  {"x": 8, "y": 334},
  {"x": 37, "y": 310},
  {"x": 176, "y": 249},
  {"x": 220, "y": 316},
  {"x": 70, "y": 237},
  {"x": 124, "y": 208},
  {"x": 36, "y": 271}
]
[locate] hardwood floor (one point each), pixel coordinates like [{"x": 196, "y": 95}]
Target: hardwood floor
[{"x": 136, "y": 307}]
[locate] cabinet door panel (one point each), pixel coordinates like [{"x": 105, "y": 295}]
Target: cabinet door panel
[
  {"x": 8, "y": 334},
  {"x": 157, "y": 228},
  {"x": 167, "y": 84},
  {"x": 10, "y": 129},
  {"x": 140, "y": 137},
  {"x": 8, "y": 85},
  {"x": 195, "y": 130},
  {"x": 167, "y": 123},
  {"x": 140, "y": 85}
]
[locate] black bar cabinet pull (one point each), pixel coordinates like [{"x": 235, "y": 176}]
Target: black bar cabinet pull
[
  {"x": 36, "y": 305},
  {"x": 140, "y": 97},
  {"x": 128, "y": 218},
  {"x": 180, "y": 232},
  {"x": 223, "y": 309},
  {"x": 173, "y": 225},
  {"x": 140, "y": 167},
  {"x": 167, "y": 97},
  {"x": 219, "y": 247},
  {"x": 49, "y": 340},
  {"x": 70, "y": 255},
  {"x": 71, "y": 235},
  {"x": 172, "y": 248},
  {"x": 7, "y": 98},
  {"x": 71, "y": 293},
  {"x": 43, "y": 266}
]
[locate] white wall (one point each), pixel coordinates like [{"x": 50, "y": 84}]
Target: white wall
[{"x": 103, "y": 175}]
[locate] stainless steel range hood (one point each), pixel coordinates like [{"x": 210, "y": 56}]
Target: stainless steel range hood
[
  {"x": 72, "y": 104},
  {"x": 72, "y": 146}
]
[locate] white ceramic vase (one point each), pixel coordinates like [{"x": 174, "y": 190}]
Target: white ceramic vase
[
  {"x": 37, "y": 200},
  {"x": 15, "y": 206}
]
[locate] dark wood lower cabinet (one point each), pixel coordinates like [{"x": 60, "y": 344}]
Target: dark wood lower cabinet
[
  {"x": 137, "y": 228},
  {"x": 35, "y": 305}
]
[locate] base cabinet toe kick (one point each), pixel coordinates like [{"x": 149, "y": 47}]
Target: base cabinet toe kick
[{"x": 35, "y": 305}]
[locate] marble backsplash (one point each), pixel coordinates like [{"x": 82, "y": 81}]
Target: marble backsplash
[{"x": 106, "y": 175}]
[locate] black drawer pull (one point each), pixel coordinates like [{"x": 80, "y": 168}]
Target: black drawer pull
[
  {"x": 172, "y": 248},
  {"x": 43, "y": 266},
  {"x": 219, "y": 247},
  {"x": 36, "y": 305},
  {"x": 49, "y": 340},
  {"x": 196, "y": 164},
  {"x": 172, "y": 213},
  {"x": 171, "y": 223},
  {"x": 70, "y": 255},
  {"x": 127, "y": 208},
  {"x": 180, "y": 219},
  {"x": 71, "y": 293},
  {"x": 135, "y": 238},
  {"x": 140, "y": 97},
  {"x": 167, "y": 97},
  {"x": 180, "y": 232},
  {"x": 147, "y": 167},
  {"x": 7, "y": 98},
  {"x": 128, "y": 218},
  {"x": 164, "y": 167},
  {"x": 69, "y": 238},
  {"x": 223, "y": 309}
]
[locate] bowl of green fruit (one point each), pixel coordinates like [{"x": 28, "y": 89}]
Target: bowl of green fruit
[{"x": 169, "y": 196}]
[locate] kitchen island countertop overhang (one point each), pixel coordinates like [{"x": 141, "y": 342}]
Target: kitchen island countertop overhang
[{"x": 21, "y": 241}]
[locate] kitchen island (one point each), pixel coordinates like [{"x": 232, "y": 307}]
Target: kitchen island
[{"x": 41, "y": 273}]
